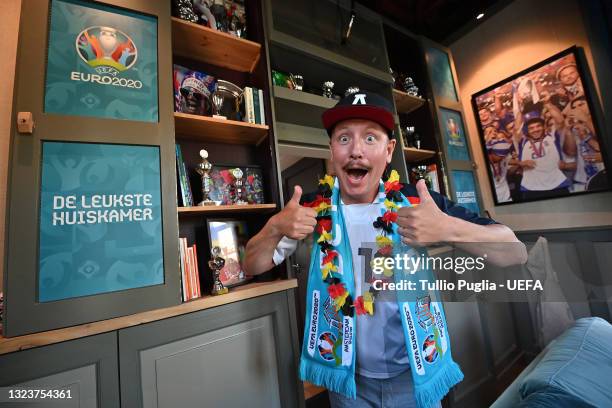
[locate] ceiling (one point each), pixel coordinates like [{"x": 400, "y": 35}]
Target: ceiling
[{"x": 440, "y": 20}]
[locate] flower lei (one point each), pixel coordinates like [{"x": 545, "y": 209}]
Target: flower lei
[{"x": 329, "y": 269}]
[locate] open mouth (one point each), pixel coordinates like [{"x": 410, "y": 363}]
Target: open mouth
[{"x": 356, "y": 174}]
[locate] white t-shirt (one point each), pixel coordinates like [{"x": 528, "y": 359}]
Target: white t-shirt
[
  {"x": 381, "y": 348},
  {"x": 546, "y": 175}
]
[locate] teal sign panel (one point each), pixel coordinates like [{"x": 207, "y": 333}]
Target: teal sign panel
[
  {"x": 454, "y": 135},
  {"x": 465, "y": 190},
  {"x": 100, "y": 219},
  {"x": 102, "y": 62},
  {"x": 441, "y": 74}
]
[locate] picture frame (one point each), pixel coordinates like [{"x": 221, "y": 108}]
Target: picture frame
[
  {"x": 539, "y": 132},
  {"x": 222, "y": 184},
  {"x": 231, "y": 236}
]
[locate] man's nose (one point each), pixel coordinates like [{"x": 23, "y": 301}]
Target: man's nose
[{"x": 356, "y": 149}]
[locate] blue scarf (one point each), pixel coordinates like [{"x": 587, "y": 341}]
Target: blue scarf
[{"x": 328, "y": 352}]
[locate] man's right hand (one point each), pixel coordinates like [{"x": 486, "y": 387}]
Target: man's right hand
[{"x": 295, "y": 221}]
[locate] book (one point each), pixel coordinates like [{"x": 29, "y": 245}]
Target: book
[
  {"x": 184, "y": 269},
  {"x": 256, "y": 109},
  {"x": 262, "y": 110},
  {"x": 190, "y": 275},
  {"x": 248, "y": 105},
  {"x": 196, "y": 272},
  {"x": 186, "y": 194}
]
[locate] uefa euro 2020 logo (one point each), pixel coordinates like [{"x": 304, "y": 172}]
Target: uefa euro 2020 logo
[{"x": 108, "y": 51}]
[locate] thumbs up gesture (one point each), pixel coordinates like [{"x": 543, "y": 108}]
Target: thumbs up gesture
[
  {"x": 295, "y": 221},
  {"x": 424, "y": 223}
]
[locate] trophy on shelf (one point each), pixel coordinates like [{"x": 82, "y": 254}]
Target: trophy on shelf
[
  {"x": 407, "y": 134},
  {"x": 217, "y": 263},
  {"x": 417, "y": 140},
  {"x": 217, "y": 101},
  {"x": 328, "y": 86},
  {"x": 298, "y": 81},
  {"x": 351, "y": 90},
  {"x": 203, "y": 169},
  {"x": 410, "y": 88},
  {"x": 238, "y": 186}
]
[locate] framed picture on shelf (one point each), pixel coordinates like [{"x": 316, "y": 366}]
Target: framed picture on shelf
[
  {"x": 539, "y": 137},
  {"x": 231, "y": 236},
  {"x": 223, "y": 184}
]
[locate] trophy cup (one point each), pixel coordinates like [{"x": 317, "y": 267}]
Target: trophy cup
[
  {"x": 408, "y": 136},
  {"x": 203, "y": 169},
  {"x": 327, "y": 89},
  {"x": 351, "y": 90},
  {"x": 410, "y": 87},
  {"x": 217, "y": 263},
  {"x": 217, "y": 101},
  {"x": 298, "y": 81},
  {"x": 417, "y": 140},
  {"x": 238, "y": 186}
]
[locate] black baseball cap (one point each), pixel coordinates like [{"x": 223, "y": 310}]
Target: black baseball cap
[{"x": 361, "y": 105}]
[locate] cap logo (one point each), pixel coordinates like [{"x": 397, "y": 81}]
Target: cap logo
[{"x": 359, "y": 99}]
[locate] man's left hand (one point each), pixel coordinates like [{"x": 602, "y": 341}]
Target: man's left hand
[{"x": 424, "y": 223}]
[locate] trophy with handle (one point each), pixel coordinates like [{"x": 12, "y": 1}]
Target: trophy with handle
[
  {"x": 203, "y": 169},
  {"x": 217, "y": 263},
  {"x": 238, "y": 186}
]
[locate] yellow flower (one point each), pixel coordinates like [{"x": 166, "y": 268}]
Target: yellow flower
[
  {"x": 329, "y": 180},
  {"x": 383, "y": 241},
  {"x": 340, "y": 300},
  {"x": 394, "y": 176},
  {"x": 322, "y": 207},
  {"x": 368, "y": 303},
  {"x": 390, "y": 205},
  {"x": 328, "y": 268},
  {"x": 325, "y": 236}
]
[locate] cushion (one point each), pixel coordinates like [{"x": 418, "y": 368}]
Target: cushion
[
  {"x": 552, "y": 397},
  {"x": 579, "y": 365}
]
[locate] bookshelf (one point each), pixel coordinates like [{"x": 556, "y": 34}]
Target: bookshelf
[
  {"x": 405, "y": 103},
  {"x": 417, "y": 155},
  {"x": 209, "y": 129},
  {"x": 216, "y": 47},
  {"x": 228, "y": 209}
]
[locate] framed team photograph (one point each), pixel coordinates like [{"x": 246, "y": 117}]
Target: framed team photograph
[
  {"x": 231, "y": 237},
  {"x": 538, "y": 133}
]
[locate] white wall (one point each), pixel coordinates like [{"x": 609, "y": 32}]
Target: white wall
[
  {"x": 519, "y": 36},
  {"x": 9, "y": 21}
]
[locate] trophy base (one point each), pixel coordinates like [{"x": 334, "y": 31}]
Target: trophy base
[
  {"x": 240, "y": 202},
  {"x": 221, "y": 291},
  {"x": 206, "y": 202},
  {"x": 219, "y": 117}
]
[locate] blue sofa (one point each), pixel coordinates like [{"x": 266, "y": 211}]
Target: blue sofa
[{"x": 573, "y": 371}]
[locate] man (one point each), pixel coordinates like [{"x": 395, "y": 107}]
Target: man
[
  {"x": 540, "y": 158},
  {"x": 361, "y": 142}
]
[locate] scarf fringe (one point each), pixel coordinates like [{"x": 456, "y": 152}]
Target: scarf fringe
[
  {"x": 434, "y": 389},
  {"x": 340, "y": 381}
]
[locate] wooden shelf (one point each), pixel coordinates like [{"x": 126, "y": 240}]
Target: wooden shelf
[
  {"x": 207, "y": 128},
  {"x": 311, "y": 390},
  {"x": 416, "y": 155},
  {"x": 214, "y": 47},
  {"x": 406, "y": 103},
  {"x": 248, "y": 291},
  {"x": 305, "y": 98},
  {"x": 213, "y": 209}
]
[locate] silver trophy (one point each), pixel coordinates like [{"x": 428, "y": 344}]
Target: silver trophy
[
  {"x": 410, "y": 87},
  {"x": 351, "y": 90},
  {"x": 203, "y": 169},
  {"x": 327, "y": 89},
  {"x": 238, "y": 186},
  {"x": 217, "y": 101},
  {"x": 217, "y": 263},
  {"x": 298, "y": 81}
]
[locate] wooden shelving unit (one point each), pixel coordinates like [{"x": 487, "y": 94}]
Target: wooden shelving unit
[
  {"x": 305, "y": 98},
  {"x": 406, "y": 103},
  {"x": 209, "y": 129},
  {"x": 416, "y": 155},
  {"x": 215, "y": 47},
  {"x": 230, "y": 209}
]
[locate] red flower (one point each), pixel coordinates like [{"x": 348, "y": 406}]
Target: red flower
[
  {"x": 329, "y": 257},
  {"x": 359, "y": 308},
  {"x": 414, "y": 200},
  {"x": 324, "y": 224},
  {"x": 336, "y": 290},
  {"x": 386, "y": 250},
  {"x": 392, "y": 186},
  {"x": 389, "y": 217},
  {"x": 318, "y": 200}
]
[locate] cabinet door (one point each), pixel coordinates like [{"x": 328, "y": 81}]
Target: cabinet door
[
  {"x": 96, "y": 78},
  {"x": 87, "y": 367},
  {"x": 463, "y": 185},
  {"x": 241, "y": 354}
]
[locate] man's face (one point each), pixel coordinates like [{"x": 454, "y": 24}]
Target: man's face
[
  {"x": 535, "y": 130},
  {"x": 568, "y": 75},
  {"x": 360, "y": 151},
  {"x": 484, "y": 114}
]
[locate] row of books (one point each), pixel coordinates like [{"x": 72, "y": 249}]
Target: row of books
[
  {"x": 183, "y": 178},
  {"x": 190, "y": 276},
  {"x": 254, "y": 105}
]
